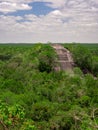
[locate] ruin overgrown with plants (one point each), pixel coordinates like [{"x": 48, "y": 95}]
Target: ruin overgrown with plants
[{"x": 33, "y": 96}]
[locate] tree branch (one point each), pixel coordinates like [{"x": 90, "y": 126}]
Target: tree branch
[{"x": 4, "y": 126}]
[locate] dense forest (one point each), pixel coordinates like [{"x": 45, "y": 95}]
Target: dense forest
[{"x": 35, "y": 97}]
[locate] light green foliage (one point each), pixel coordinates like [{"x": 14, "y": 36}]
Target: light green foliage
[
  {"x": 11, "y": 115},
  {"x": 28, "y": 125}
]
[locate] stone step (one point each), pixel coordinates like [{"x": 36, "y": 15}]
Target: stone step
[
  {"x": 63, "y": 58},
  {"x": 66, "y": 65}
]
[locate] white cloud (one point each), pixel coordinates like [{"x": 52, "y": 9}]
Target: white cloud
[
  {"x": 7, "y": 7},
  {"x": 72, "y": 20},
  {"x": 56, "y": 3}
]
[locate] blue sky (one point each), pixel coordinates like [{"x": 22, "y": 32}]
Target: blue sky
[
  {"x": 38, "y": 8},
  {"x": 48, "y": 20}
]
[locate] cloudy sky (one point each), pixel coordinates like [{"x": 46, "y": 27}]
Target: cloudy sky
[{"x": 49, "y": 20}]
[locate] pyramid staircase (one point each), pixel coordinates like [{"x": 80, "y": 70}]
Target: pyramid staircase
[{"x": 64, "y": 61}]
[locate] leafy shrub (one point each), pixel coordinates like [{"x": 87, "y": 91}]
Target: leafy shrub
[
  {"x": 95, "y": 65},
  {"x": 28, "y": 125},
  {"x": 11, "y": 115},
  {"x": 46, "y": 59},
  {"x": 82, "y": 57},
  {"x": 5, "y": 57},
  {"x": 41, "y": 111}
]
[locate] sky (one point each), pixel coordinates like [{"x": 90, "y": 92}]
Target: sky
[{"x": 30, "y": 21}]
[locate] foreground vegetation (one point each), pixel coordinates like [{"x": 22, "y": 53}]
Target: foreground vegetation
[{"x": 35, "y": 97}]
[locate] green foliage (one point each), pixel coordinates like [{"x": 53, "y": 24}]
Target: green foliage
[
  {"x": 35, "y": 97},
  {"x": 5, "y": 57},
  {"x": 82, "y": 57},
  {"x": 85, "y": 57},
  {"x": 28, "y": 125},
  {"x": 78, "y": 71},
  {"x": 42, "y": 111},
  {"x": 46, "y": 59},
  {"x": 95, "y": 65},
  {"x": 44, "y": 66},
  {"x": 11, "y": 115}
]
